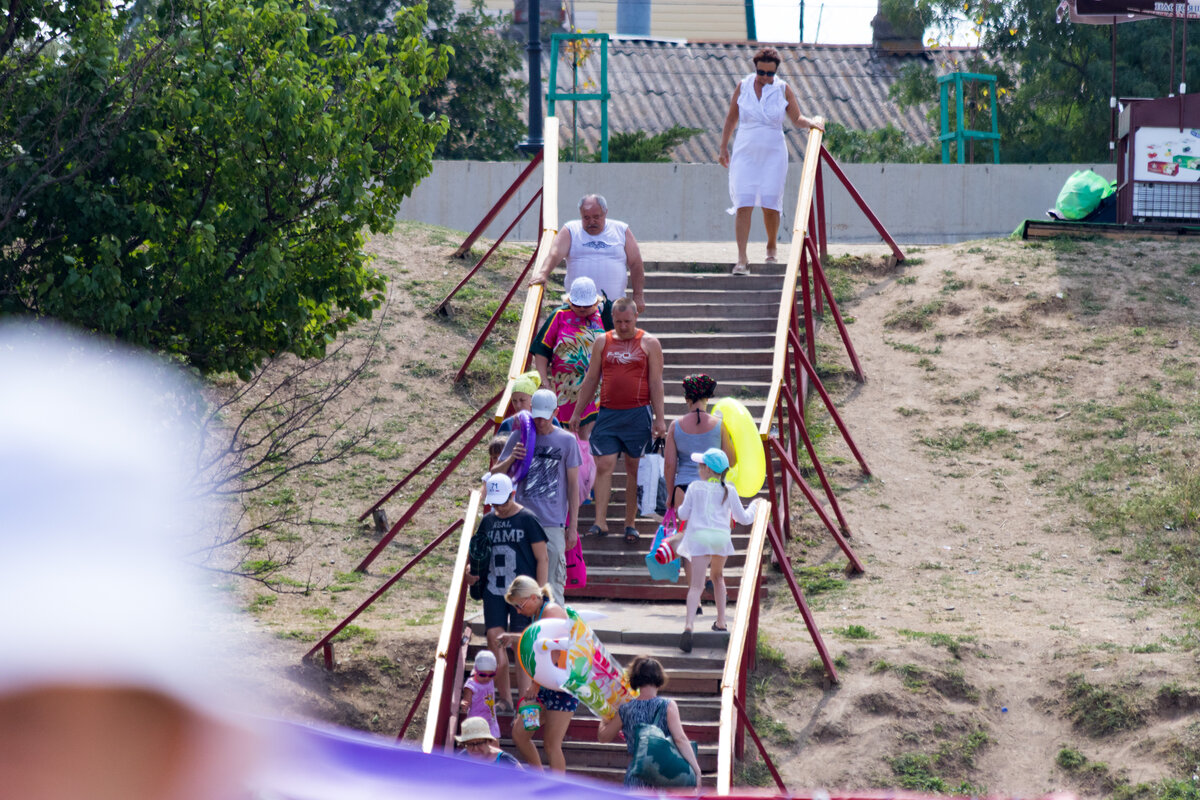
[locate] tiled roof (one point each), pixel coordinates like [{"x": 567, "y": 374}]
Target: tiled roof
[{"x": 656, "y": 84}]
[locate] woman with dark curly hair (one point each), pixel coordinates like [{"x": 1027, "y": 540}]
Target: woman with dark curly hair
[
  {"x": 646, "y": 676},
  {"x": 758, "y": 167}
]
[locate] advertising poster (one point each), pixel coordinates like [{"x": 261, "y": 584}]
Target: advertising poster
[{"x": 1167, "y": 155}]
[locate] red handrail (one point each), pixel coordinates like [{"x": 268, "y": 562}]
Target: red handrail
[
  {"x": 482, "y": 410},
  {"x": 326, "y": 642},
  {"x": 504, "y": 198},
  {"x": 438, "y": 308}
]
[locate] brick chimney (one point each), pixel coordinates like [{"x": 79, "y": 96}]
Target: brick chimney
[{"x": 897, "y": 37}]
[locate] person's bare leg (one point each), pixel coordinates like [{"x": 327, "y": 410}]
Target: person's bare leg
[
  {"x": 503, "y": 682},
  {"x": 718, "y": 579},
  {"x": 523, "y": 739},
  {"x": 699, "y": 567},
  {"x": 554, "y": 730},
  {"x": 771, "y": 222},
  {"x": 602, "y": 489},
  {"x": 742, "y": 233},
  {"x": 631, "y": 503}
]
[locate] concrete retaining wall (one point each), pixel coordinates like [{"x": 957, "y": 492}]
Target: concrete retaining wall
[{"x": 917, "y": 203}]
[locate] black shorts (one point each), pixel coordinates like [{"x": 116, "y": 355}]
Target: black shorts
[{"x": 499, "y": 614}]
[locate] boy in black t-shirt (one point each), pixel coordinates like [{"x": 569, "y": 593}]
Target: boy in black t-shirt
[{"x": 517, "y": 546}]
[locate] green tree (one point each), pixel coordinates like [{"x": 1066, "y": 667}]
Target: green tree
[
  {"x": 225, "y": 220},
  {"x": 643, "y": 147},
  {"x": 482, "y": 97},
  {"x": 888, "y": 144},
  {"x": 1053, "y": 79}
]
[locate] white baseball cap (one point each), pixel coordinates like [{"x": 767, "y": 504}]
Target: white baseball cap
[
  {"x": 545, "y": 403},
  {"x": 583, "y": 292},
  {"x": 499, "y": 487}
]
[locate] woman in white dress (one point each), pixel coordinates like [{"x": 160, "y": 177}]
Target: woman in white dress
[{"x": 758, "y": 168}]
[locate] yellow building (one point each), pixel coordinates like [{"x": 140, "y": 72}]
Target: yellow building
[{"x": 692, "y": 20}]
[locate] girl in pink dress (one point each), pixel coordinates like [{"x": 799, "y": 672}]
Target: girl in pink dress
[{"x": 479, "y": 691}]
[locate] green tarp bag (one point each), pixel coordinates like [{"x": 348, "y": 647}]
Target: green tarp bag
[{"x": 1081, "y": 194}]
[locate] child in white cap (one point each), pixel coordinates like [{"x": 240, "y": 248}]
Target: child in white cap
[
  {"x": 479, "y": 691},
  {"x": 708, "y": 507}
]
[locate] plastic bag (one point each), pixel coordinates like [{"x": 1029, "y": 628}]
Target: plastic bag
[
  {"x": 576, "y": 568},
  {"x": 1081, "y": 194},
  {"x": 670, "y": 570},
  {"x": 650, "y": 472}
]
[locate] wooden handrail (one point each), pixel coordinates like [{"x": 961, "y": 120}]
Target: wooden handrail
[
  {"x": 533, "y": 300},
  {"x": 451, "y": 626},
  {"x": 727, "y": 727},
  {"x": 787, "y": 299}
]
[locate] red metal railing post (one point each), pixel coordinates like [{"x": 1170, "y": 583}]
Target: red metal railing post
[
  {"x": 816, "y": 463},
  {"x": 833, "y": 412},
  {"x": 810, "y": 332},
  {"x": 482, "y": 410},
  {"x": 758, "y": 742},
  {"x": 820, "y": 201},
  {"x": 504, "y": 198},
  {"x": 773, "y": 489},
  {"x": 822, "y": 285},
  {"x": 809, "y": 238},
  {"x": 326, "y": 642},
  {"x": 785, "y": 490},
  {"x": 790, "y": 468},
  {"x": 495, "y": 317},
  {"x": 810, "y": 622},
  {"x": 412, "y": 710},
  {"x": 433, "y": 487},
  {"x": 862, "y": 204},
  {"x": 488, "y": 254}
]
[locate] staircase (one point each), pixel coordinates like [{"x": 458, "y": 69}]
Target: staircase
[{"x": 723, "y": 325}]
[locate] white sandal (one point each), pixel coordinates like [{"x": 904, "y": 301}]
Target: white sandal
[{"x": 741, "y": 269}]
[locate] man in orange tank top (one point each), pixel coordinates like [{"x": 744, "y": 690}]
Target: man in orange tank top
[{"x": 627, "y": 364}]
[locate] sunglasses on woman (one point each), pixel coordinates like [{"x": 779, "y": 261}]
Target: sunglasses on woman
[
  {"x": 483, "y": 674},
  {"x": 762, "y": 73}
]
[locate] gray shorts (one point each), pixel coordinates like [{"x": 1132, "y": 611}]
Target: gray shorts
[{"x": 624, "y": 430}]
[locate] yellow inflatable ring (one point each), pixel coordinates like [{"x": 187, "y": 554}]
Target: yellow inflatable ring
[{"x": 748, "y": 474}]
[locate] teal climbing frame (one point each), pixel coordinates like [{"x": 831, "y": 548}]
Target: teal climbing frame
[
  {"x": 553, "y": 94},
  {"x": 960, "y": 135}
]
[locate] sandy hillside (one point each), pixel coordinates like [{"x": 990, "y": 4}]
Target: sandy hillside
[{"x": 1027, "y": 618}]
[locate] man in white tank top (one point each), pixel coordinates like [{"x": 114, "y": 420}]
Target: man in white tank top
[{"x": 599, "y": 248}]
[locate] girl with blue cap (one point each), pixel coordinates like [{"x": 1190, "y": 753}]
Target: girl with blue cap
[{"x": 708, "y": 507}]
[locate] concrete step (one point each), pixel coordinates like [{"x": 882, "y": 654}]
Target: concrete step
[
  {"x": 617, "y": 776},
  {"x": 633, "y": 558},
  {"x": 698, "y": 358},
  {"x": 728, "y": 376},
  {"x": 737, "y": 340},
  {"x": 725, "y": 310},
  {"x": 698, "y": 326},
  {"x": 616, "y": 543},
  {"x": 633, "y": 624},
  {"x": 666, "y": 296},
  {"x": 711, "y": 268},
  {"x": 684, "y": 280},
  {"x": 583, "y": 729}
]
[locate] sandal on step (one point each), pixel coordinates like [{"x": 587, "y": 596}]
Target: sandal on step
[
  {"x": 685, "y": 641},
  {"x": 596, "y": 530},
  {"x": 718, "y": 629},
  {"x": 631, "y": 535},
  {"x": 741, "y": 269},
  {"x": 770, "y": 259}
]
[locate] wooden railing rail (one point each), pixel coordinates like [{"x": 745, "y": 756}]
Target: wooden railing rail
[
  {"x": 533, "y": 299},
  {"x": 731, "y": 677},
  {"x": 787, "y": 299},
  {"x": 437, "y": 722}
]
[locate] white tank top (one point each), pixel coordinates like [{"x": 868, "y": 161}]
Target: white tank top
[{"x": 600, "y": 257}]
